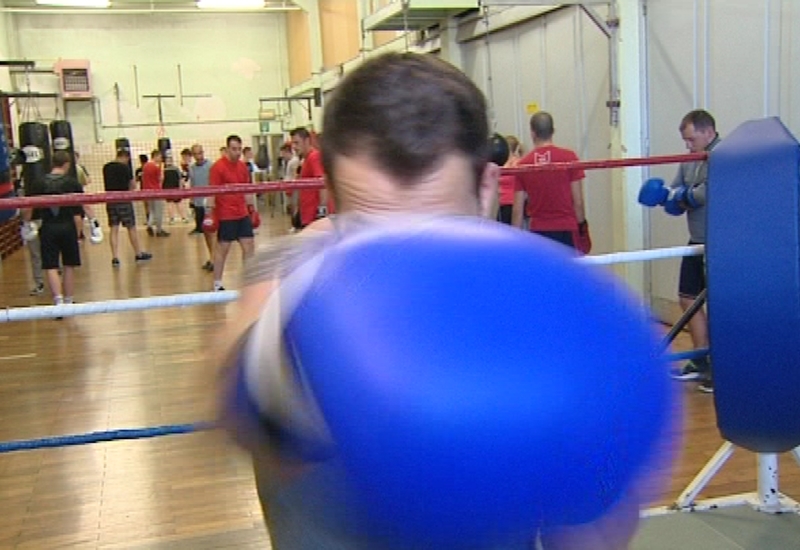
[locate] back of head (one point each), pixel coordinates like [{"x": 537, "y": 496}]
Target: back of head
[
  {"x": 407, "y": 112},
  {"x": 60, "y": 159},
  {"x": 542, "y": 125}
]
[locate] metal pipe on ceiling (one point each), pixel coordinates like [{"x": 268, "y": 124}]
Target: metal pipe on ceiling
[{"x": 144, "y": 11}]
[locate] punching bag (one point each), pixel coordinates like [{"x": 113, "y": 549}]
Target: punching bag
[
  {"x": 6, "y": 183},
  {"x": 262, "y": 156},
  {"x": 752, "y": 260},
  {"x": 124, "y": 144},
  {"x": 61, "y": 134},
  {"x": 34, "y": 140},
  {"x": 498, "y": 150},
  {"x": 165, "y": 147}
]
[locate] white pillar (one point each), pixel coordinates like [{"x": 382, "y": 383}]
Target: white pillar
[
  {"x": 451, "y": 50},
  {"x": 628, "y": 138}
]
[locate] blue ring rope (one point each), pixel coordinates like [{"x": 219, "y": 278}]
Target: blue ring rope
[
  {"x": 178, "y": 429},
  {"x": 97, "y": 437}
]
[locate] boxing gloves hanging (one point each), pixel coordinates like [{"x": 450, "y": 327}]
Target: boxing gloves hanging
[
  {"x": 210, "y": 222},
  {"x": 255, "y": 218}
]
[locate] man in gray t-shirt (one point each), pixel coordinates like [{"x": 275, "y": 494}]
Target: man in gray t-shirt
[
  {"x": 698, "y": 130},
  {"x": 198, "y": 177}
]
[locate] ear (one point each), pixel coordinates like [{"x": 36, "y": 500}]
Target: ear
[{"x": 487, "y": 189}]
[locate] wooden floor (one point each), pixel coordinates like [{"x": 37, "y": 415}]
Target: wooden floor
[{"x": 145, "y": 369}]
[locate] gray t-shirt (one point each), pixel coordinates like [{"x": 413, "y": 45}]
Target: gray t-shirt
[
  {"x": 695, "y": 176},
  {"x": 198, "y": 175}
]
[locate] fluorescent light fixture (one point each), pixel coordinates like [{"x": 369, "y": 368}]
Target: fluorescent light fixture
[
  {"x": 230, "y": 4},
  {"x": 75, "y": 3}
]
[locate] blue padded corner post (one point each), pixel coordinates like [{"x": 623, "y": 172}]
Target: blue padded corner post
[{"x": 753, "y": 264}]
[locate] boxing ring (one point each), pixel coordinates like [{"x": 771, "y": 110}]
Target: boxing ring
[{"x": 736, "y": 345}]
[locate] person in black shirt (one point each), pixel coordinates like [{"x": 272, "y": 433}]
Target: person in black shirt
[
  {"x": 172, "y": 180},
  {"x": 117, "y": 177},
  {"x": 142, "y": 161},
  {"x": 58, "y": 234}
]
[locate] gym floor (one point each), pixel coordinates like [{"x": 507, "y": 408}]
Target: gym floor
[{"x": 143, "y": 369}]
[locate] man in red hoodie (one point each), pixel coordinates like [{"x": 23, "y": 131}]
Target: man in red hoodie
[{"x": 230, "y": 215}]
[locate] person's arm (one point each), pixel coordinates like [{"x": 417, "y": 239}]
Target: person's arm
[
  {"x": 578, "y": 201},
  {"x": 518, "y": 210}
]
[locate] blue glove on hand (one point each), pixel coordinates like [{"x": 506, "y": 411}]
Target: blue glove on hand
[
  {"x": 675, "y": 204},
  {"x": 653, "y": 193}
]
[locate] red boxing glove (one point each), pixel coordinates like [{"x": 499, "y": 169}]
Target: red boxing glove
[
  {"x": 255, "y": 218},
  {"x": 210, "y": 223},
  {"x": 582, "y": 238}
]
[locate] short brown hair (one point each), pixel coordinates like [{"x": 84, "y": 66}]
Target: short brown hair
[
  {"x": 60, "y": 159},
  {"x": 542, "y": 125},
  {"x": 406, "y": 111},
  {"x": 700, "y": 119}
]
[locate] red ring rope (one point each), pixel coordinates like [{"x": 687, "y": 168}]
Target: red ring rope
[{"x": 309, "y": 183}]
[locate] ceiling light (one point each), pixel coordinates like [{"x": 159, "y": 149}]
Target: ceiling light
[
  {"x": 75, "y": 3},
  {"x": 230, "y": 4}
]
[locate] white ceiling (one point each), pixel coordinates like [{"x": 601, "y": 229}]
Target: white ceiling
[{"x": 155, "y": 5}]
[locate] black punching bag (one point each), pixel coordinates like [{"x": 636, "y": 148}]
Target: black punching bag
[
  {"x": 34, "y": 141},
  {"x": 124, "y": 144},
  {"x": 165, "y": 147},
  {"x": 61, "y": 134},
  {"x": 262, "y": 156},
  {"x": 498, "y": 150}
]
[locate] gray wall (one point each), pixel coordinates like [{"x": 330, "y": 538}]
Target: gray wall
[
  {"x": 560, "y": 62},
  {"x": 732, "y": 57}
]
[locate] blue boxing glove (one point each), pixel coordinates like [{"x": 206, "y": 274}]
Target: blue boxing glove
[
  {"x": 653, "y": 193},
  {"x": 677, "y": 199}
]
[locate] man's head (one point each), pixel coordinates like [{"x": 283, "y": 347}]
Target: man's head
[
  {"x": 408, "y": 132},
  {"x": 198, "y": 153},
  {"x": 222, "y": 152},
  {"x": 233, "y": 148},
  {"x": 143, "y": 159},
  {"x": 301, "y": 141},
  {"x": 287, "y": 151},
  {"x": 186, "y": 156},
  {"x": 542, "y": 127},
  {"x": 698, "y": 129},
  {"x": 248, "y": 153},
  {"x": 123, "y": 156},
  {"x": 60, "y": 162},
  {"x": 155, "y": 156}
]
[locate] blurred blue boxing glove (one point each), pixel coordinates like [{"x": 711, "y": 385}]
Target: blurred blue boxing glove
[
  {"x": 677, "y": 199},
  {"x": 653, "y": 192}
]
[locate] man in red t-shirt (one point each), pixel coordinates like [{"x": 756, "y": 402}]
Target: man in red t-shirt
[
  {"x": 555, "y": 198},
  {"x": 232, "y": 213},
  {"x": 152, "y": 179},
  {"x": 313, "y": 203}
]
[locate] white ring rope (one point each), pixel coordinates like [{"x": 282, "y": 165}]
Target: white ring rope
[
  {"x": 644, "y": 255},
  {"x": 35, "y": 313}
]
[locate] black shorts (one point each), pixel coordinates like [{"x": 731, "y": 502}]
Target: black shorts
[
  {"x": 59, "y": 239},
  {"x": 504, "y": 213},
  {"x": 233, "y": 230},
  {"x": 563, "y": 237},
  {"x": 121, "y": 213},
  {"x": 693, "y": 275}
]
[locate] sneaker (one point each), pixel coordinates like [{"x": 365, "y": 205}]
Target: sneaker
[
  {"x": 707, "y": 385},
  {"x": 218, "y": 288},
  {"x": 115, "y": 262},
  {"x": 143, "y": 257},
  {"x": 162, "y": 233},
  {"x": 38, "y": 290},
  {"x": 689, "y": 371},
  {"x": 208, "y": 266},
  {"x": 195, "y": 231},
  {"x": 150, "y": 231}
]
